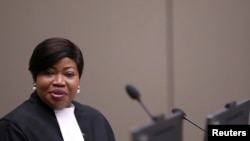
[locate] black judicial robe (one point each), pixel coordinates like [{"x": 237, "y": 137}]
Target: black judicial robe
[{"x": 35, "y": 121}]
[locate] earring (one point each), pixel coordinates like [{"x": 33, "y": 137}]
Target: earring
[
  {"x": 34, "y": 87},
  {"x": 78, "y": 90}
]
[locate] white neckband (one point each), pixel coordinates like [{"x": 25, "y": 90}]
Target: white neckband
[{"x": 68, "y": 124}]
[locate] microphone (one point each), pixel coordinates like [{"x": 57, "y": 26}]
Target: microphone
[
  {"x": 135, "y": 95},
  {"x": 185, "y": 117}
]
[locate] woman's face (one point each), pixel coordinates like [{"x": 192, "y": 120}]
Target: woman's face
[{"x": 57, "y": 86}]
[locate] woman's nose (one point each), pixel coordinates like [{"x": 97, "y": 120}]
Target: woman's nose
[{"x": 59, "y": 80}]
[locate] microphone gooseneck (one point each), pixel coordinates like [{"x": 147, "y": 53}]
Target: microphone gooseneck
[
  {"x": 135, "y": 95},
  {"x": 185, "y": 117}
]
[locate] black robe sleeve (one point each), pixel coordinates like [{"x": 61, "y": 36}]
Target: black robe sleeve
[{"x": 10, "y": 132}]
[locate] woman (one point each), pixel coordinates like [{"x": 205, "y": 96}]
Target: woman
[{"x": 51, "y": 114}]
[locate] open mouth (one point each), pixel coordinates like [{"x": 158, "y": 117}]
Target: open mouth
[{"x": 57, "y": 94}]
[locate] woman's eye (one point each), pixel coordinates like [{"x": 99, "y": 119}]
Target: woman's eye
[
  {"x": 69, "y": 74},
  {"x": 48, "y": 73}
]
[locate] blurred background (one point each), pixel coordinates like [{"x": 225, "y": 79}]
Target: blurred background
[{"x": 192, "y": 54}]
